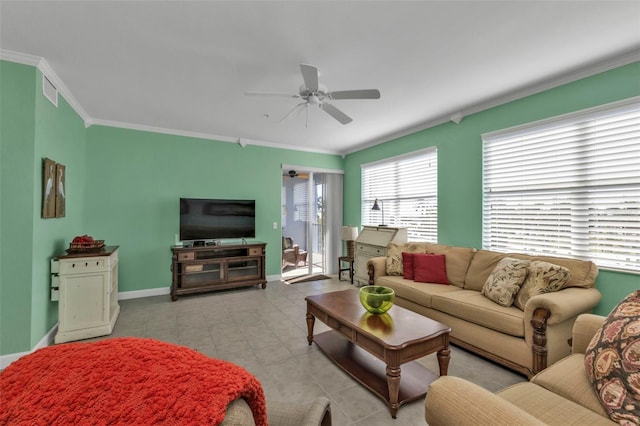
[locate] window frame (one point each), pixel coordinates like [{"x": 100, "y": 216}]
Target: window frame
[
  {"x": 591, "y": 214},
  {"x": 401, "y": 198}
]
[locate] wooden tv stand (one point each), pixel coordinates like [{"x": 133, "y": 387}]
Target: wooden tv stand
[{"x": 217, "y": 267}]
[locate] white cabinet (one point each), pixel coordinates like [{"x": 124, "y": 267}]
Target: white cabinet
[
  {"x": 87, "y": 294},
  {"x": 372, "y": 242}
]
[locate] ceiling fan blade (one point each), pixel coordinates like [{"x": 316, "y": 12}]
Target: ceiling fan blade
[
  {"x": 310, "y": 76},
  {"x": 336, "y": 113},
  {"x": 356, "y": 94},
  {"x": 292, "y": 111},
  {"x": 271, "y": 94}
]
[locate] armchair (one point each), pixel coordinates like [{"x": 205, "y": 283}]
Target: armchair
[{"x": 291, "y": 253}]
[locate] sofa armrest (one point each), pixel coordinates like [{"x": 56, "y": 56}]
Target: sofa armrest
[
  {"x": 455, "y": 401},
  {"x": 376, "y": 267},
  {"x": 312, "y": 413},
  {"x": 584, "y": 329},
  {"x": 293, "y": 413},
  {"x": 564, "y": 304}
]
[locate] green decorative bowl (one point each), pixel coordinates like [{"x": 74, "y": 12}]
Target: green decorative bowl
[{"x": 377, "y": 299}]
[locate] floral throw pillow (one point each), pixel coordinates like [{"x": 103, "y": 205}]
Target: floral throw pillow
[
  {"x": 394, "y": 259},
  {"x": 505, "y": 280},
  {"x": 612, "y": 361},
  {"x": 394, "y": 256},
  {"x": 543, "y": 277}
]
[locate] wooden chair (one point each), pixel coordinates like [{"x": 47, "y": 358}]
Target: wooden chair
[{"x": 291, "y": 253}]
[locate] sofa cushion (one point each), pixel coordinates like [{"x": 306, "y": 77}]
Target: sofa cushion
[
  {"x": 420, "y": 293},
  {"x": 457, "y": 260},
  {"x": 505, "y": 281},
  {"x": 471, "y": 306},
  {"x": 481, "y": 266},
  {"x": 549, "y": 407},
  {"x": 543, "y": 277},
  {"x": 612, "y": 361},
  {"x": 568, "y": 379},
  {"x": 430, "y": 268},
  {"x": 583, "y": 273},
  {"x": 394, "y": 255}
]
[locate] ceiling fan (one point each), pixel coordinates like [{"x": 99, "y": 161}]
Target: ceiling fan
[
  {"x": 293, "y": 174},
  {"x": 314, "y": 93}
]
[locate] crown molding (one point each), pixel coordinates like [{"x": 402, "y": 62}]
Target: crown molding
[
  {"x": 43, "y": 66},
  {"x": 89, "y": 121},
  {"x": 576, "y": 74},
  {"x": 20, "y": 58},
  {"x": 243, "y": 142}
]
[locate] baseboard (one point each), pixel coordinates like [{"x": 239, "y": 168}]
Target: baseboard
[
  {"x": 137, "y": 294},
  {"x": 47, "y": 340}
]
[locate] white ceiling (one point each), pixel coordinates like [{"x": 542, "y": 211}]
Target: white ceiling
[{"x": 183, "y": 67}]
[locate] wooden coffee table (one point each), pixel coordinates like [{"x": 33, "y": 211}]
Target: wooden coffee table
[{"x": 371, "y": 348}]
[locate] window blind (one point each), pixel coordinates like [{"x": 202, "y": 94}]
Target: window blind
[
  {"x": 406, "y": 188},
  {"x": 568, "y": 186}
]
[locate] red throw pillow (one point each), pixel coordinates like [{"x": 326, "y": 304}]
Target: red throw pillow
[
  {"x": 430, "y": 268},
  {"x": 407, "y": 265}
]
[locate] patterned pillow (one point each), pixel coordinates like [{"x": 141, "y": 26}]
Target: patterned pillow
[
  {"x": 394, "y": 256},
  {"x": 544, "y": 277},
  {"x": 612, "y": 361},
  {"x": 505, "y": 280},
  {"x": 394, "y": 259}
]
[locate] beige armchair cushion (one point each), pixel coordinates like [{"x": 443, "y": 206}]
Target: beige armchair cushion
[
  {"x": 568, "y": 379},
  {"x": 293, "y": 413},
  {"x": 456, "y": 401}
]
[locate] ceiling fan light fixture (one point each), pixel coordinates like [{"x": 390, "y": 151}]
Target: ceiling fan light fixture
[
  {"x": 313, "y": 93},
  {"x": 314, "y": 99}
]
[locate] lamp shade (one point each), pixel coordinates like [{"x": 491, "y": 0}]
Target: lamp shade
[{"x": 349, "y": 233}]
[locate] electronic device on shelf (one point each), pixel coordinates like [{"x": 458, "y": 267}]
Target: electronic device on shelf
[{"x": 214, "y": 219}]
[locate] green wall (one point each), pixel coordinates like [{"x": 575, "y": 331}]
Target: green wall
[
  {"x": 17, "y": 129},
  {"x": 135, "y": 179},
  {"x": 33, "y": 128},
  {"x": 123, "y": 186},
  {"x": 59, "y": 135},
  {"x": 460, "y": 161}
]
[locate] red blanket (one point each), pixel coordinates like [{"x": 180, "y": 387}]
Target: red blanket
[{"x": 124, "y": 381}]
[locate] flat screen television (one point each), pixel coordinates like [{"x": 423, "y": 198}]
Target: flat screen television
[{"x": 210, "y": 219}]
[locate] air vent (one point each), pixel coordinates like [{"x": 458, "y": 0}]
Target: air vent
[{"x": 49, "y": 91}]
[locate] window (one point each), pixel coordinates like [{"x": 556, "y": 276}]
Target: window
[
  {"x": 568, "y": 186},
  {"x": 406, "y": 188}
]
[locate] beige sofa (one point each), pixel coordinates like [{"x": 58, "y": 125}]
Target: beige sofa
[
  {"x": 525, "y": 341},
  {"x": 560, "y": 395}
]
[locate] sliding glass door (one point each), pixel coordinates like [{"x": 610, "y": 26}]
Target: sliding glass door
[{"x": 311, "y": 217}]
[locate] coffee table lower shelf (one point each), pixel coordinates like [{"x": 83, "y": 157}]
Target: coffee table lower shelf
[{"x": 371, "y": 372}]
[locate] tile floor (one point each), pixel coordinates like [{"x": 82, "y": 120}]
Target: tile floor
[{"x": 265, "y": 332}]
